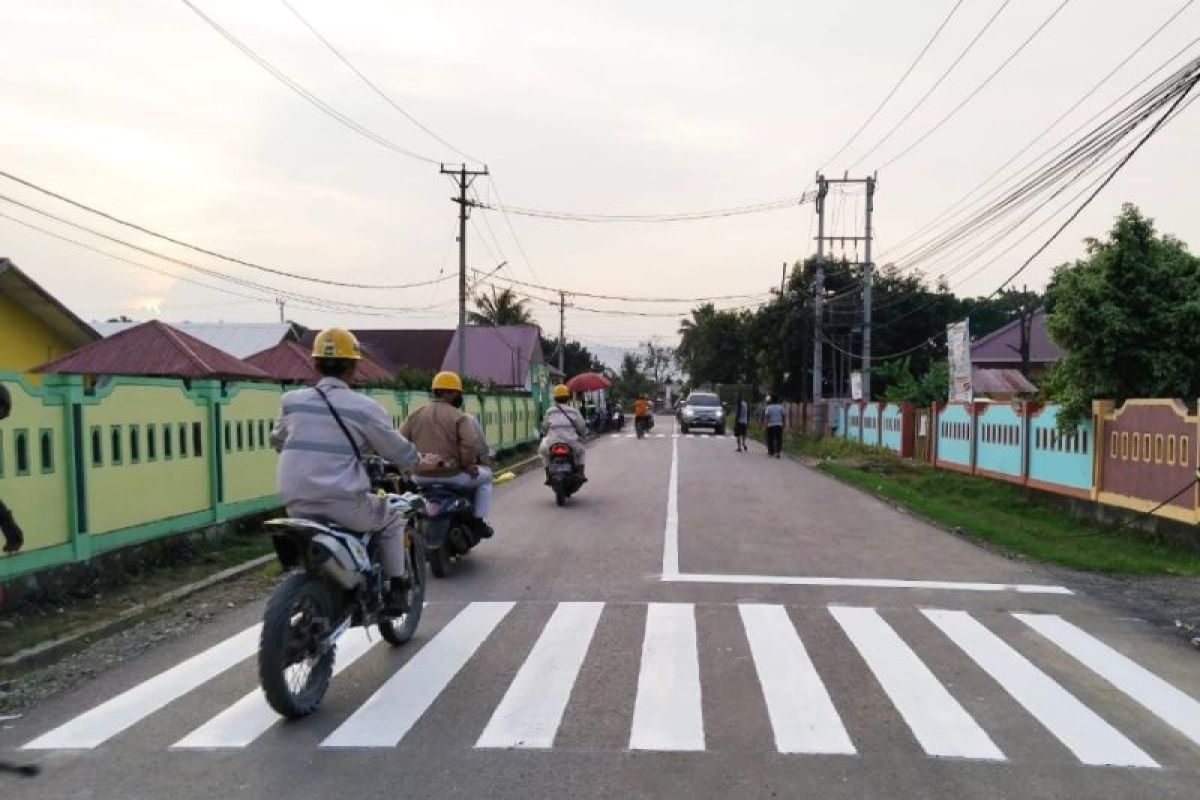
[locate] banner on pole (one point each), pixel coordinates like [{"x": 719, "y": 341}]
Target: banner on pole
[
  {"x": 856, "y": 385},
  {"x": 958, "y": 347}
]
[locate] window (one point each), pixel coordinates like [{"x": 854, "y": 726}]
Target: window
[
  {"x": 240, "y": 436},
  {"x": 151, "y": 443},
  {"x": 1124, "y": 446},
  {"x": 228, "y": 437},
  {"x": 114, "y": 436},
  {"x": 167, "y": 443},
  {"x": 197, "y": 443},
  {"x": 135, "y": 444},
  {"x": 97, "y": 447},
  {"x": 1171, "y": 449},
  {"x": 183, "y": 434},
  {"x": 21, "y": 449},
  {"x": 46, "y": 446}
]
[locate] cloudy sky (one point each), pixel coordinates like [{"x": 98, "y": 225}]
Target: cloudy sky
[{"x": 619, "y": 107}]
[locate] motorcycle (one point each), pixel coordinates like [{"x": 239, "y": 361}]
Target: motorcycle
[
  {"x": 446, "y": 523},
  {"x": 336, "y": 582},
  {"x": 617, "y": 420},
  {"x": 562, "y": 473},
  {"x": 642, "y": 425}
]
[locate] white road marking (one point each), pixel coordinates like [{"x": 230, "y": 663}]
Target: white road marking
[
  {"x": 106, "y": 720},
  {"x": 1162, "y": 699},
  {"x": 384, "y": 719},
  {"x": 667, "y": 714},
  {"x": 873, "y": 583},
  {"x": 801, "y": 711},
  {"x": 1083, "y": 731},
  {"x": 533, "y": 706},
  {"x": 670, "y": 568},
  {"x": 250, "y": 717},
  {"x": 941, "y": 725}
]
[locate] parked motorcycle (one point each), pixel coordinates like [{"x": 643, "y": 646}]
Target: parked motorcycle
[
  {"x": 445, "y": 518},
  {"x": 616, "y": 419},
  {"x": 562, "y": 473},
  {"x": 336, "y": 582}
]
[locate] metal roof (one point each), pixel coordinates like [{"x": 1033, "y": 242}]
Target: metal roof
[
  {"x": 1000, "y": 382},
  {"x": 153, "y": 349},
  {"x": 27, "y": 294},
  {"x": 500, "y": 355},
  {"x": 395, "y": 349},
  {"x": 1002, "y": 346},
  {"x": 238, "y": 339},
  {"x": 292, "y": 362}
]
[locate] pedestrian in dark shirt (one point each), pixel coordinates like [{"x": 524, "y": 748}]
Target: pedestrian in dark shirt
[
  {"x": 13, "y": 537},
  {"x": 741, "y": 422},
  {"x": 773, "y": 420}
]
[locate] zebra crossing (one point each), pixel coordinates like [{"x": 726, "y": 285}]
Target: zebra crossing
[
  {"x": 705, "y": 436},
  {"x": 805, "y": 716}
]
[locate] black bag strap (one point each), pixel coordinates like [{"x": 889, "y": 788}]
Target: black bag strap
[{"x": 338, "y": 418}]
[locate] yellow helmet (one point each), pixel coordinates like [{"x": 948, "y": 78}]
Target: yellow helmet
[
  {"x": 447, "y": 380},
  {"x": 561, "y": 392},
  {"x": 336, "y": 343}
]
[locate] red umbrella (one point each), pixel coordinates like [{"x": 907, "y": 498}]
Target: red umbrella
[{"x": 588, "y": 382}]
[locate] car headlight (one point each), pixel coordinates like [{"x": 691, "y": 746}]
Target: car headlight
[{"x": 687, "y": 412}]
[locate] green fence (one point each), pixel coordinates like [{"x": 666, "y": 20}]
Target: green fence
[{"x": 87, "y": 471}]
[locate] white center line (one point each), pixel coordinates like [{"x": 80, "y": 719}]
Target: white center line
[
  {"x": 801, "y": 711},
  {"x": 533, "y": 706},
  {"x": 941, "y": 725},
  {"x": 670, "y": 568},
  {"x": 1083, "y": 731},
  {"x": 667, "y": 714}
]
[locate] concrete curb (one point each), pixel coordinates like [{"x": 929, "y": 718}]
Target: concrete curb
[{"x": 45, "y": 650}]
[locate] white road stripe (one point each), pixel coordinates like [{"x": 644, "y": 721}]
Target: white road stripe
[
  {"x": 667, "y": 714},
  {"x": 941, "y": 725},
  {"x": 533, "y": 706},
  {"x": 875, "y": 583},
  {"x": 106, "y": 720},
  {"x": 670, "y": 568},
  {"x": 384, "y": 719},
  {"x": 250, "y": 717},
  {"x": 1083, "y": 731},
  {"x": 1162, "y": 699},
  {"x": 801, "y": 711}
]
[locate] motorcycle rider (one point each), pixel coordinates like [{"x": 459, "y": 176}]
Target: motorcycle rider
[
  {"x": 642, "y": 412},
  {"x": 442, "y": 429},
  {"x": 563, "y": 424},
  {"x": 322, "y": 434}
]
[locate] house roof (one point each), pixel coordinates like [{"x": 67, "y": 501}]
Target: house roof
[
  {"x": 153, "y": 349},
  {"x": 238, "y": 339},
  {"x": 27, "y": 294},
  {"x": 1003, "y": 382},
  {"x": 1002, "y": 346},
  {"x": 501, "y": 355},
  {"x": 396, "y": 349},
  {"x": 291, "y": 361}
]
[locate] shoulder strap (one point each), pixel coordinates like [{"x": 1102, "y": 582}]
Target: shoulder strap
[{"x": 338, "y": 418}]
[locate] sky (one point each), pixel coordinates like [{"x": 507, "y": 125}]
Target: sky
[{"x": 139, "y": 108}]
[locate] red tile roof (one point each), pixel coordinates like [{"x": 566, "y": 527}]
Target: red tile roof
[
  {"x": 289, "y": 361},
  {"x": 153, "y": 349}
]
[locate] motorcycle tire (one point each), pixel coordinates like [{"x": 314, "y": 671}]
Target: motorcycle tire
[
  {"x": 439, "y": 562},
  {"x": 300, "y": 604},
  {"x": 560, "y": 495},
  {"x": 684, "y": 428},
  {"x": 398, "y": 630}
]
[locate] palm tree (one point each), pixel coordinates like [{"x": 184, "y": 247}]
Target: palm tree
[{"x": 500, "y": 308}]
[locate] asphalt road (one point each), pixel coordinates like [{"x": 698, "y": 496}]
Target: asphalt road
[{"x": 696, "y": 623}]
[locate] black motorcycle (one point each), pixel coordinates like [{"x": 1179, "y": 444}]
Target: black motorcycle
[
  {"x": 335, "y": 582},
  {"x": 444, "y": 516},
  {"x": 643, "y": 425},
  {"x": 562, "y": 473}
]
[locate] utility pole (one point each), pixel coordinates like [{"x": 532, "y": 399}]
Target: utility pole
[
  {"x": 783, "y": 280},
  {"x": 463, "y": 177},
  {"x": 819, "y": 290},
  {"x": 279, "y": 301},
  {"x": 562, "y": 333},
  {"x": 868, "y": 278}
]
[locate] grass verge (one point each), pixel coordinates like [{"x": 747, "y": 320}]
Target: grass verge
[{"x": 1012, "y": 518}]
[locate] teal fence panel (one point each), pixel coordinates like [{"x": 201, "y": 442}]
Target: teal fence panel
[
  {"x": 1000, "y": 449},
  {"x": 955, "y": 436},
  {"x": 1060, "y": 461}
]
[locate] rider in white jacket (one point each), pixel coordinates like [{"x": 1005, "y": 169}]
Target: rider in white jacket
[{"x": 563, "y": 424}]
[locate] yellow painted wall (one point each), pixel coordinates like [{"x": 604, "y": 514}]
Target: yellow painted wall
[
  {"x": 28, "y": 342},
  {"x": 248, "y": 460},
  {"x": 37, "y": 495},
  {"x": 123, "y": 494}
]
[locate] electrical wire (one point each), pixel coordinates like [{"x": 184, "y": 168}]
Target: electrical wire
[
  {"x": 317, "y": 102},
  {"x": 687, "y": 216},
  {"x": 895, "y": 87},
  {"x": 908, "y": 115},
  {"x": 628, "y": 298}
]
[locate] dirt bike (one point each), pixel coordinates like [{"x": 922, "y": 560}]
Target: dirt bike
[{"x": 335, "y": 582}]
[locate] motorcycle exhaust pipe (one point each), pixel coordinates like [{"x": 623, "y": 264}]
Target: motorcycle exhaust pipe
[{"x": 329, "y": 566}]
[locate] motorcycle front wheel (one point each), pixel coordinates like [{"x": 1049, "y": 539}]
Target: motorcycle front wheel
[
  {"x": 294, "y": 665},
  {"x": 398, "y": 630}
]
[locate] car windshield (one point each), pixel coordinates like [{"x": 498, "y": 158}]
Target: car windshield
[{"x": 704, "y": 400}]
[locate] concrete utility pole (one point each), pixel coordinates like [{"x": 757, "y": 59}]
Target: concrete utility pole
[
  {"x": 819, "y": 290},
  {"x": 463, "y": 177},
  {"x": 279, "y": 301},
  {"x": 562, "y": 333},
  {"x": 868, "y": 279}
]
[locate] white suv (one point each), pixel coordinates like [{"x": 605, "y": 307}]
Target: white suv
[{"x": 702, "y": 410}]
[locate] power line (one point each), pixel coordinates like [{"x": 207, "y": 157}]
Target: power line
[
  {"x": 317, "y": 102},
  {"x": 1012, "y": 56},
  {"x": 895, "y": 87},
  {"x": 205, "y": 251},
  {"x": 627, "y": 298},
  {"x": 375, "y": 88},
  {"x": 936, "y": 84},
  {"x": 687, "y": 216}
]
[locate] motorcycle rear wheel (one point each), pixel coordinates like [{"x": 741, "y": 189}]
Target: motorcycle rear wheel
[
  {"x": 398, "y": 630},
  {"x": 560, "y": 495},
  {"x": 439, "y": 562},
  {"x": 293, "y": 673}
]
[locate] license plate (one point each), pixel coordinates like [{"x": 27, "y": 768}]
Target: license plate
[{"x": 560, "y": 469}]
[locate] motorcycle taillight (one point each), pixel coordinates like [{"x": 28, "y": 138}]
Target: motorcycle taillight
[
  {"x": 560, "y": 450},
  {"x": 433, "y": 508}
]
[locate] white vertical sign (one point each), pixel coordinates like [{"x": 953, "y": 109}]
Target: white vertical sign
[
  {"x": 958, "y": 346},
  {"x": 856, "y": 385}
]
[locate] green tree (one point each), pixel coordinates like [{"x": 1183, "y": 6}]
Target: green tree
[
  {"x": 630, "y": 380},
  {"x": 1127, "y": 317},
  {"x": 712, "y": 346},
  {"x": 576, "y": 357},
  {"x": 905, "y": 387},
  {"x": 500, "y": 308}
]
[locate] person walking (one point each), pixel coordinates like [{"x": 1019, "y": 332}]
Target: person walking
[
  {"x": 773, "y": 420},
  {"x": 741, "y": 422}
]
